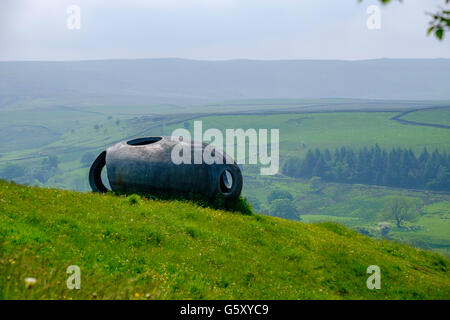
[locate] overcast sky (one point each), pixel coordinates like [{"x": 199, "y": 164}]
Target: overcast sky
[{"x": 216, "y": 30}]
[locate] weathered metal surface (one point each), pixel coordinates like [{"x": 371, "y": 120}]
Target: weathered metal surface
[{"x": 145, "y": 166}]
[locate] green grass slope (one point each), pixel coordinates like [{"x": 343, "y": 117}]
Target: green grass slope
[{"x": 164, "y": 250}]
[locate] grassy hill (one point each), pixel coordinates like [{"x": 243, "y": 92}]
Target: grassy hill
[{"x": 148, "y": 249}]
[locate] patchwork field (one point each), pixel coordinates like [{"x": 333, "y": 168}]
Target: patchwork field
[{"x": 28, "y": 138}]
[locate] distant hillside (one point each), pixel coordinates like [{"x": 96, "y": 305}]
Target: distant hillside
[
  {"x": 154, "y": 81},
  {"x": 143, "y": 249}
]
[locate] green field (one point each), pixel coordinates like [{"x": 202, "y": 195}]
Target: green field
[
  {"x": 441, "y": 117},
  {"x": 359, "y": 207},
  {"x": 128, "y": 248},
  {"x": 300, "y": 132},
  {"x": 30, "y": 136}
]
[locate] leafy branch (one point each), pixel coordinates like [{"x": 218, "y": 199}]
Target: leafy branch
[{"x": 440, "y": 22}]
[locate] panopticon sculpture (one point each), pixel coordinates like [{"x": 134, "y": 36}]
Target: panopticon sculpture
[{"x": 145, "y": 165}]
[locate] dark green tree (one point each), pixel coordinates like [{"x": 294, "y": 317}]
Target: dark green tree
[
  {"x": 400, "y": 209},
  {"x": 256, "y": 204},
  {"x": 398, "y": 167},
  {"x": 320, "y": 169},
  {"x": 279, "y": 194},
  {"x": 284, "y": 208}
]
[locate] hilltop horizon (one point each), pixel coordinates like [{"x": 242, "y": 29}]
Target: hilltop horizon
[
  {"x": 192, "y": 82},
  {"x": 217, "y": 60}
]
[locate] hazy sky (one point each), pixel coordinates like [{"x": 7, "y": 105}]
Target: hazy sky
[{"x": 216, "y": 29}]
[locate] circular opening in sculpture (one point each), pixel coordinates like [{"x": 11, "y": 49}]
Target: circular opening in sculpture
[
  {"x": 226, "y": 181},
  {"x": 143, "y": 141}
]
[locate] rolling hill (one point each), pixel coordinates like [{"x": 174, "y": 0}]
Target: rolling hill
[
  {"x": 134, "y": 248},
  {"x": 186, "y": 82}
]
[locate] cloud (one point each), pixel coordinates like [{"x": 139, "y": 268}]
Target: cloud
[{"x": 215, "y": 29}]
